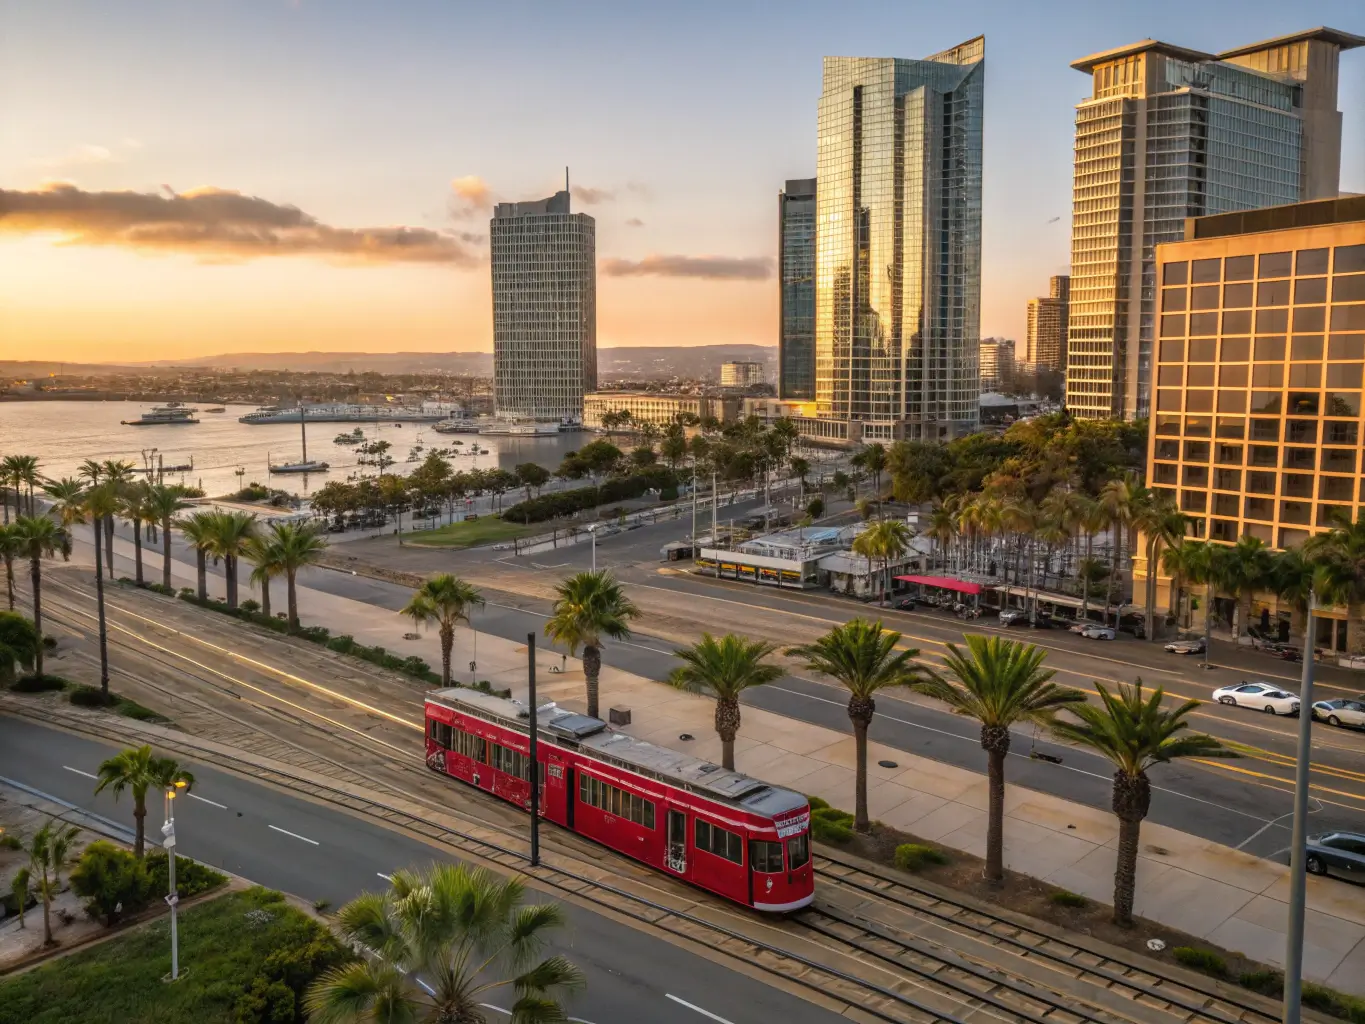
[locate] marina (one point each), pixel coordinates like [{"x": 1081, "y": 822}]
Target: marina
[{"x": 340, "y": 412}]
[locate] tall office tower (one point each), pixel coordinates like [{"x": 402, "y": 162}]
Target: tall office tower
[
  {"x": 1045, "y": 345},
  {"x": 996, "y": 363},
  {"x": 1170, "y": 133},
  {"x": 544, "y": 308},
  {"x": 898, "y": 244},
  {"x": 796, "y": 290}
]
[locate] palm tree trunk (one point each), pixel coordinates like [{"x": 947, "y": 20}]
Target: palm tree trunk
[
  {"x": 140, "y": 831},
  {"x": 265, "y": 597},
  {"x": 995, "y": 740},
  {"x": 291, "y": 586},
  {"x": 860, "y": 713},
  {"x": 1150, "y": 603},
  {"x": 35, "y": 573},
  {"x": 727, "y": 726},
  {"x": 137, "y": 552},
  {"x": 201, "y": 567},
  {"x": 447, "y": 633},
  {"x": 592, "y": 668},
  {"x": 1173, "y": 603},
  {"x": 230, "y": 572},
  {"x": 1125, "y": 870},
  {"x": 166, "y": 554},
  {"x": 109, "y": 545},
  {"x": 104, "y": 629},
  {"x": 1085, "y": 579},
  {"x": 47, "y": 898},
  {"x": 1208, "y": 622},
  {"x": 9, "y": 579}
]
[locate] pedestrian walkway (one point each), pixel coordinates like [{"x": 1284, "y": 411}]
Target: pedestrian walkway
[{"x": 1230, "y": 898}]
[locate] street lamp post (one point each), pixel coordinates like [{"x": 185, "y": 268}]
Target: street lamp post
[
  {"x": 592, "y": 532},
  {"x": 535, "y": 759},
  {"x": 172, "y": 897},
  {"x": 1298, "y": 852}
]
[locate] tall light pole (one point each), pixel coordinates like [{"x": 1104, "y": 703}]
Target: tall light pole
[
  {"x": 1298, "y": 881},
  {"x": 535, "y": 758},
  {"x": 592, "y": 532},
  {"x": 172, "y": 898}
]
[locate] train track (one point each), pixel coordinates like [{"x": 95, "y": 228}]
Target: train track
[{"x": 940, "y": 961}]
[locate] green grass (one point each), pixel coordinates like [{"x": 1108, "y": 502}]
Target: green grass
[
  {"x": 224, "y": 948},
  {"x": 914, "y": 856},
  {"x": 484, "y": 530},
  {"x": 1074, "y": 900},
  {"x": 1197, "y": 959},
  {"x": 93, "y": 697}
]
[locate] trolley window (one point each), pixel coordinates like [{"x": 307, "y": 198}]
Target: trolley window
[
  {"x": 614, "y": 800},
  {"x": 509, "y": 761},
  {"x": 765, "y": 856},
  {"x": 798, "y": 851},
  {"x": 442, "y": 734},
  {"x": 714, "y": 839},
  {"x": 470, "y": 746}
]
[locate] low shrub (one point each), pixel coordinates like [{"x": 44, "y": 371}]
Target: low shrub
[
  {"x": 816, "y": 803},
  {"x": 111, "y": 881},
  {"x": 1075, "y": 900},
  {"x": 1267, "y": 982},
  {"x": 276, "y": 992},
  {"x": 831, "y": 825},
  {"x": 161, "y": 588},
  {"x": 191, "y": 877},
  {"x": 9, "y": 842},
  {"x": 914, "y": 856},
  {"x": 49, "y": 643},
  {"x": 93, "y": 697},
  {"x": 343, "y": 644},
  {"x": 315, "y": 634},
  {"x": 38, "y": 684},
  {"x": 251, "y": 605},
  {"x": 90, "y": 697},
  {"x": 1205, "y": 960},
  {"x": 188, "y": 594},
  {"x": 484, "y": 686},
  {"x": 1330, "y": 1001}
]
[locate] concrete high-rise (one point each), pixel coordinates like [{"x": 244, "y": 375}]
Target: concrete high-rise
[
  {"x": 1045, "y": 343},
  {"x": 544, "y": 261},
  {"x": 898, "y": 245},
  {"x": 1170, "y": 133},
  {"x": 796, "y": 290}
]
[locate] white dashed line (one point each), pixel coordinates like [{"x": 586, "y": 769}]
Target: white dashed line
[
  {"x": 206, "y": 800},
  {"x": 387, "y": 878},
  {"x": 294, "y": 835},
  {"x": 79, "y": 772},
  {"x": 698, "y": 1009}
]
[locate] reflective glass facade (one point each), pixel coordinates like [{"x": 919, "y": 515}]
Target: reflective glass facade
[
  {"x": 1167, "y": 134},
  {"x": 898, "y": 243},
  {"x": 796, "y": 320}
]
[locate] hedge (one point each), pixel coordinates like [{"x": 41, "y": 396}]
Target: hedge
[{"x": 567, "y": 503}]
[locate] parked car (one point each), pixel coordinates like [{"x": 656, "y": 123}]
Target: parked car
[
  {"x": 1097, "y": 632},
  {"x": 906, "y": 604},
  {"x": 1186, "y": 646},
  {"x": 1261, "y": 696},
  {"x": 1043, "y": 620},
  {"x": 1340, "y": 712},
  {"x": 1010, "y": 616},
  {"x": 1337, "y": 853},
  {"x": 1080, "y": 626}
]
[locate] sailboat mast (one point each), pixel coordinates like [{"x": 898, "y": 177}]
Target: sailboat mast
[{"x": 303, "y": 432}]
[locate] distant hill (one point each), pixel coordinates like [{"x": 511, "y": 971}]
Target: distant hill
[
  {"x": 479, "y": 363},
  {"x": 643, "y": 362}
]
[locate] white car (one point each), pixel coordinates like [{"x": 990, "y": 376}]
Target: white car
[
  {"x": 1340, "y": 712},
  {"x": 1261, "y": 696},
  {"x": 1010, "y": 616},
  {"x": 1098, "y": 632}
]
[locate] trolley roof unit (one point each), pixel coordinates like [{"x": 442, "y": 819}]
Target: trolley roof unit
[{"x": 594, "y": 738}]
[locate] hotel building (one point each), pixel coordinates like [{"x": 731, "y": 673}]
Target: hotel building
[
  {"x": 796, "y": 290},
  {"x": 1045, "y": 342},
  {"x": 1257, "y": 419}
]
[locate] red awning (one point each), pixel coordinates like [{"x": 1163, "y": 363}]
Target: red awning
[{"x": 944, "y": 582}]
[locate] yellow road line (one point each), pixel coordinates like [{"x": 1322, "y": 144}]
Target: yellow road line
[{"x": 1225, "y": 766}]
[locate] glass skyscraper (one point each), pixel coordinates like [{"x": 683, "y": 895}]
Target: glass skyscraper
[
  {"x": 898, "y": 244},
  {"x": 796, "y": 296},
  {"x": 544, "y": 263},
  {"x": 1170, "y": 133}
]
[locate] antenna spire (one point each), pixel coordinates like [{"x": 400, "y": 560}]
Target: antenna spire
[{"x": 566, "y": 179}]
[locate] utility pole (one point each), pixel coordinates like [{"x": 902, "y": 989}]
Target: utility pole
[
  {"x": 172, "y": 897},
  {"x": 715, "y": 516},
  {"x": 535, "y": 762},
  {"x": 694, "y": 508},
  {"x": 1298, "y": 853}
]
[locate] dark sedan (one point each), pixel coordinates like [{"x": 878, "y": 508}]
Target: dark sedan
[{"x": 1337, "y": 853}]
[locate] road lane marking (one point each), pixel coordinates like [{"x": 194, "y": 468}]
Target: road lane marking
[
  {"x": 1276, "y": 778},
  {"x": 79, "y": 772},
  {"x": 206, "y": 800},
  {"x": 698, "y": 1009},
  {"x": 294, "y": 834}
]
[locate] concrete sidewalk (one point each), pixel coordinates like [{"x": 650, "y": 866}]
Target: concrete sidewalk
[{"x": 1228, "y": 897}]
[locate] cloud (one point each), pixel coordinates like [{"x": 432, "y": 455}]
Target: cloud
[
  {"x": 84, "y": 155},
  {"x": 634, "y": 222},
  {"x": 471, "y": 196},
  {"x": 710, "y": 268},
  {"x": 589, "y": 196},
  {"x": 214, "y": 225}
]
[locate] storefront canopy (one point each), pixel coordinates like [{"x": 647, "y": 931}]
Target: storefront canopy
[{"x": 945, "y": 582}]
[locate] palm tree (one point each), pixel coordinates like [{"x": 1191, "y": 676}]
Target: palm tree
[
  {"x": 1000, "y": 683},
  {"x": 1122, "y": 501},
  {"x": 137, "y": 769},
  {"x": 295, "y": 548},
  {"x": 134, "y": 507},
  {"x": 1249, "y": 566},
  {"x": 49, "y": 851},
  {"x": 1341, "y": 552},
  {"x": 863, "y": 658},
  {"x": 1294, "y": 576},
  {"x": 199, "y": 531},
  {"x": 101, "y": 501},
  {"x": 1163, "y": 525},
  {"x": 9, "y": 475},
  {"x": 68, "y": 495},
  {"x": 119, "y": 475},
  {"x": 943, "y": 528},
  {"x": 1134, "y": 734},
  {"x": 872, "y": 459},
  {"x": 590, "y": 606},
  {"x": 447, "y": 601},
  {"x": 19, "y": 470},
  {"x": 1091, "y": 518},
  {"x": 446, "y": 940},
  {"x": 39, "y": 538},
  {"x": 231, "y": 536},
  {"x": 1176, "y": 562},
  {"x": 263, "y": 553},
  {"x": 1209, "y": 564},
  {"x": 19, "y": 643},
  {"x": 725, "y": 669},
  {"x": 163, "y": 502},
  {"x": 9, "y": 550}
]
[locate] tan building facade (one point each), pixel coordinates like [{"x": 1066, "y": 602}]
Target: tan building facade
[
  {"x": 655, "y": 407},
  {"x": 1045, "y": 342},
  {"x": 1256, "y": 427}
]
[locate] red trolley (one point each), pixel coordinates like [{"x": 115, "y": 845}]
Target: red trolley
[{"x": 731, "y": 834}]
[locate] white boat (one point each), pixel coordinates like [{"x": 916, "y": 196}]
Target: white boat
[
  {"x": 162, "y": 415},
  {"x": 457, "y": 425},
  {"x": 521, "y": 430},
  {"x": 339, "y": 412},
  {"x": 300, "y": 467}
]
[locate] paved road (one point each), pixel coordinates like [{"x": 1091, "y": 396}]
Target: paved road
[
  {"x": 316, "y": 853},
  {"x": 1244, "y": 803}
]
